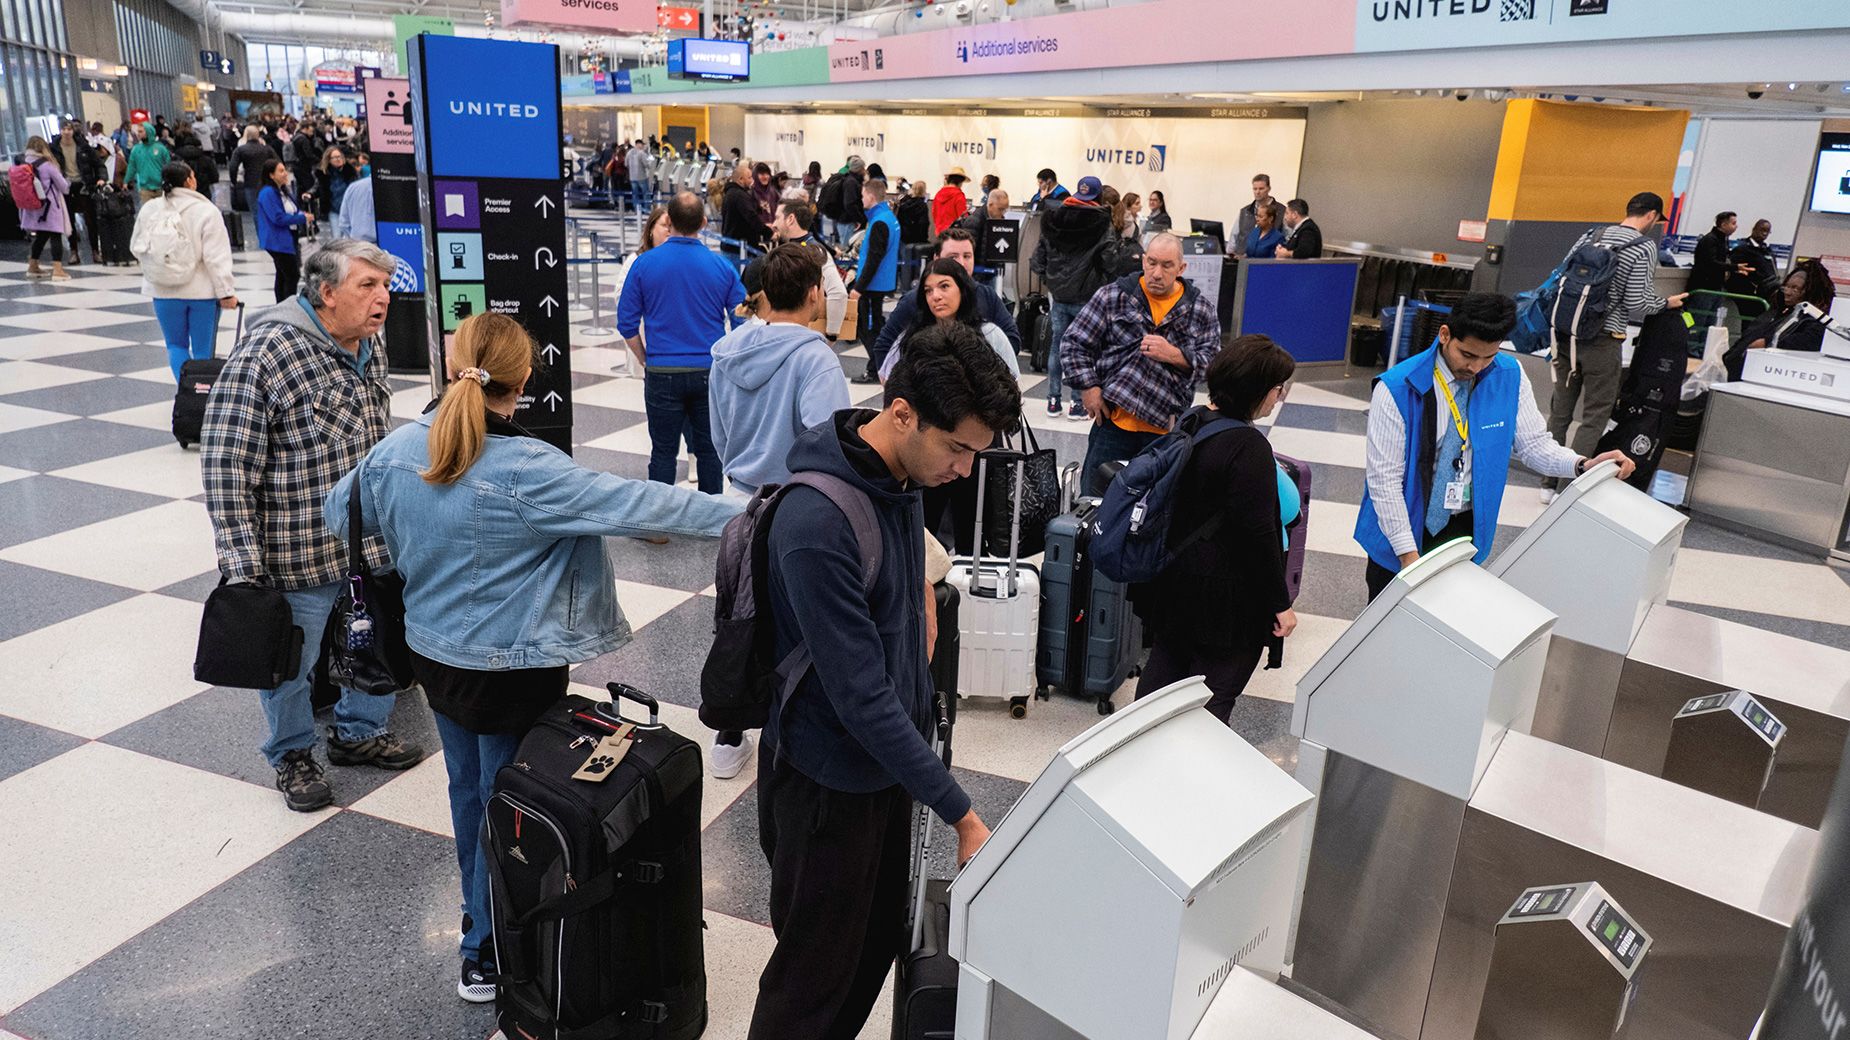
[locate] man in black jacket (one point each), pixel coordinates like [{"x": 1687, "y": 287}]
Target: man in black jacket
[
  {"x": 846, "y": 753},
  {"x": 738, "y": 214},
  {"x": 1756, "y": 270},
  {"x": 1067, "y": 258},
  {"x": 1709, "y": 270},
  {"x": 1303, "y": 238}
]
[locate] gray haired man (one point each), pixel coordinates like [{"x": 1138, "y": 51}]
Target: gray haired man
[{"x": 302, "y": 399}]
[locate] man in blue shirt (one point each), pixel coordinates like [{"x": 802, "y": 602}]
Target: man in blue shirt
[
  {"x": 355, "y": 218},
  {"x": 686, "y": 295}
]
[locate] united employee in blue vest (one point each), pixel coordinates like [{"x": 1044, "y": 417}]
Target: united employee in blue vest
[
  {"x": 876, "y": 275},
  {"x": 1442, "y": 428}
]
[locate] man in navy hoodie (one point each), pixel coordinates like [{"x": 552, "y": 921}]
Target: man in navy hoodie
[{"x": 846, "y": 753}]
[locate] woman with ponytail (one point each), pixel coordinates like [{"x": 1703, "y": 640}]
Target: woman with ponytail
[{"x": 499, "y": 537}]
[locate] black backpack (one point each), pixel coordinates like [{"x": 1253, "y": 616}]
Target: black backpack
[
  {"x": 1584, "y": 294},
  {"x": 740, "y": 681},
  {"x": 833, "y": 200}
]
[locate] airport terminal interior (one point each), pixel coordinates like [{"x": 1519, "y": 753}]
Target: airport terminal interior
[{"x": 1578, "y": 767}]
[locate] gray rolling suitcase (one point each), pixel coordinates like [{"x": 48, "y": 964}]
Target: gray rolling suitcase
[{"x": 1090, "y": 639}]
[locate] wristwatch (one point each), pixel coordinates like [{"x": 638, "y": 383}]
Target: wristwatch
[{"x": 1580, "y": 467}]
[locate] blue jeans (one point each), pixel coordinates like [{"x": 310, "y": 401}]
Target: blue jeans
[
  {"x": 1059, "y": 316},
  {"x": 473, "y": 759},
  {"x": 185, "y": 322},
  {"x": 357, "y": 716},
  {"x": 640, "y": 197},
  {"x": 1108, "y": 443},
  {"x": 677, "y": 406}
]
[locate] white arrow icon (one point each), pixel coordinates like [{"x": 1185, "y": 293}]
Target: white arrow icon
[
  {"x": 551, "y": 353},
  {"x": 542, "y": 203},
  {"x": 1002, "y": 245},
  {"x": 549, "y": 304},
  {"x": 543, "y": 252},
  {"x": 687, "y": 18},
  {"x": 552, "y": 400}
]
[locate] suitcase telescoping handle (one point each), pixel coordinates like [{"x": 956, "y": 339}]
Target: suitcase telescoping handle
[{"x": 620, "y": 692}]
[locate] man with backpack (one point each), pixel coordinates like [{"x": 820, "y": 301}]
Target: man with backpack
[
  {"x": 1443, "y": 426},
  {"x": 840, "y": 199},
  {"x": 845, "y": 747},
  {"x": 1607, "y": 283},
  {"x": 1072, "y": 232}
]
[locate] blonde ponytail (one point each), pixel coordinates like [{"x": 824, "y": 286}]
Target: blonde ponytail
[{"x": 487, "y": 345}]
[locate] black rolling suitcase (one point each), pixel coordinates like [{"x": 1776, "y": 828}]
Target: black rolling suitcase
[
  {"x": 234, "y": 230},
  {"x": 925, "y": 988},
  {"x": 593, "y": 846},
  {"x": 1090, "y": 640},
  {"x": 945, "y": 653},
  {"x": 1032, "y": 320},
  {"x": 197, "y": 377}
]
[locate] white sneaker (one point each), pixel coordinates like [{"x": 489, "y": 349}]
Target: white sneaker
[
  {"x": 1548, "y": 496},
  {"x": 728, "y": 760}
]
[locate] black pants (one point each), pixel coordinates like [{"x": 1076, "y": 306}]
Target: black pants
[
  {"x": 1458, "y": 527},
  {"x": 869, "y": 322},
  {"x": 1226, "y": 670},
  {"x": 41, "y": 239},
  {"x": 83, "y": 204},
  {"x": 838, "y": 902},
  {"x": 288, "y": 273}
]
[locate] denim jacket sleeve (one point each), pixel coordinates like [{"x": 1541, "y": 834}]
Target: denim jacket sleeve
[{"x": 557, "y": 498}]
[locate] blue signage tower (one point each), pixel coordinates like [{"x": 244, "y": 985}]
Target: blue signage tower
[{"x": 491, "y": 185}]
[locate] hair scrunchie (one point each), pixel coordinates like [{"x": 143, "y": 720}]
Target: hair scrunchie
[{"x": 476, "y": 374}]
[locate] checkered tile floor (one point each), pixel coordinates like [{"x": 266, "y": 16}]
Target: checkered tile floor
[{"x": 154, "y": 885}]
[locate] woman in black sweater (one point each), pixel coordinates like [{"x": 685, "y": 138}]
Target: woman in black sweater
[{"x": 1223, "y": 600}]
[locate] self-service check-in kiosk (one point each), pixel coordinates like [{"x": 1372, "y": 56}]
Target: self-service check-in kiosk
[
  {"x": 1565, "y": 960},
  {"x": 1622, "y": 663},
  {"x": 1436, "y": 810},
  {"x": 1724, "y": 744},
  {"x": 1151, "y": 860}
]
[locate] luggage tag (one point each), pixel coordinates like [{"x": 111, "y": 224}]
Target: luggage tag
[{"x": 605, "y": 756}]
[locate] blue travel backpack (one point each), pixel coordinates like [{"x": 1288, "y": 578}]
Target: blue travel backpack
[
  {"x": 1582, "y": 296},
  {"x": 1130, "y": 531}
]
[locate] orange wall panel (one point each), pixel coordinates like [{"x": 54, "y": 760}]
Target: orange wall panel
[{"x": 1564, "y": 161}]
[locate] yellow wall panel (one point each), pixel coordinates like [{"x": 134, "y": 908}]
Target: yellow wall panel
[{"x": 1562, "y": 161}]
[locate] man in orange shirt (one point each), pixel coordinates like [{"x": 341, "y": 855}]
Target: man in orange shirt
[{"x": 1135, "y": 354}]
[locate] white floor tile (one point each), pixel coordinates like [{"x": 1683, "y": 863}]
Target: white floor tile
[
  {"x": 147, "y": 550},
  {"x": 167, "y": 470},
  {"x": 1521, "y": 506},
  {"x": 53, "y": 344},
  {"x": 89, "y": 867},
  {"x": 163, "y": 374},
  {"x": 156, "y": 416},
  {"x": 17, "y": 377},
  {"x": 1315, "y": 634},
  {"x": 9, "y": 473},
  {"x": 856, "y": 351},
  {"x": 644, "y": 603},
  {"x": 1797, "y": 590},
  {"x": 599, "y": 361},
  {"x": 581, "y": 334},
  {"x": 13, "y": 417},
  {"x": 625, "y": 394},
  {"x": 1306, "y": 394},
  {"x": 90, "y": 297},
  {"x": 420, "y": 798},
  {"x": 410, "y": 403},
  {"x": 633, "y": 439},
  {"x": 1334, "y": 449},
  {"x": 72, "y": 321},
  {"x": 100, "y": 671},
  {"x": 1332, "y": 528},
  {"x": 736, "y": 954}
]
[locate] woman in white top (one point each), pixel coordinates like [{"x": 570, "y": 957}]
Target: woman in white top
[
  {"x": 655, "y": 231},
  {"x": 948, "y": 294},
  {"x": 185, "y": 259}
]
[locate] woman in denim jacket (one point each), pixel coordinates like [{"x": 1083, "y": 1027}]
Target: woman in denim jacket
[{"x": 499, "y": 537}]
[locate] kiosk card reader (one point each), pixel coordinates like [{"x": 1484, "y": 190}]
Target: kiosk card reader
[
  {"x": 1151, "y": 859},
  {"x": 1724, "y": 744},
  {"x": 1435, "y": 810},
  {"x": 1623, "y": 662},
  {"x": 1564, "y": 966}
]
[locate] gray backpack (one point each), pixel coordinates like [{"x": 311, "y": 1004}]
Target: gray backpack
[{"x": 740, "y": 681}]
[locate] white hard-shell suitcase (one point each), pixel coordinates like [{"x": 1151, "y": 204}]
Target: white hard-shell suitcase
[{"x": 999, "y": 615}]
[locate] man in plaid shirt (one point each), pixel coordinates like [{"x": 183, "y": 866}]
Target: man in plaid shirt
[
  {"x": 300, "y": 402},
  {"x": 1134, "y": 355}
]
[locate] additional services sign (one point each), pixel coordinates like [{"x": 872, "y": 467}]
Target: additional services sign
[
  {"x": 626, "y": 16},
  {"x": 388, "y": 108}
]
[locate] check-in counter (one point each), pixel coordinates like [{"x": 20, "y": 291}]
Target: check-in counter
[
  {"x": 1302, "y": 304},
  {"x": 1774, "y": 459}
]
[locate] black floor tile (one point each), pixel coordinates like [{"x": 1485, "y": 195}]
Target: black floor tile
[
  {"x": 1266, "y": 725},
  {"x": 195, "y": 589},
  {"x": 96, "y": 396},
  {"x": 220, "y": 730},
  {"x": 683, "y": 563},
  {"x": 664, "y": 659},
  {"x": 136, "y": 357},
  {"x": 36, "y": 506},
  {"x": 39, "y": 598},
  {"x": 1315, "y": 417},
  {"x": 28, "y": 744},
  {"x": 1333, "y": 586},
  {"x": 1711, "y": 537},
  {"x": 350, "y": 930}
]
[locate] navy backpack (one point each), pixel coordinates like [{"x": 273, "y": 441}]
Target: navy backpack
[{"x": 1130, "y": 531}]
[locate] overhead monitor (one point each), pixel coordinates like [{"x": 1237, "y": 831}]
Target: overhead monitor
[
  {"x": 1830, "y": 189},
  {"x": 698, "y": 58}
]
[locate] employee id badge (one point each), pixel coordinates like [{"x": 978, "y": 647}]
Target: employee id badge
[{"x": 1457, "y": 496}]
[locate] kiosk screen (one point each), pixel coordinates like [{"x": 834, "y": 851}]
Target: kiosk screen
[
  {"x": 1616, "y": 934},
  {"x": 1541, "y": 902}
]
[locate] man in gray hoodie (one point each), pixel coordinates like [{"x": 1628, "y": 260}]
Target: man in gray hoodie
[{"x": 770, "y": 382}]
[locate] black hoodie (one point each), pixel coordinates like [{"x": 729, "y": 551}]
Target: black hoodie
[
  {"x": 857, "y": 723},
  {"x": 1066, "y": 256},
  {"x": 738, "y": 216}
]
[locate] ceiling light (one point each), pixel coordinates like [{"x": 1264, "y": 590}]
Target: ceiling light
[{"x": 1791, "y": 87}]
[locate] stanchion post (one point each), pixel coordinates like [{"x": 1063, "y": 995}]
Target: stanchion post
[{"x": 597, "y": 329}]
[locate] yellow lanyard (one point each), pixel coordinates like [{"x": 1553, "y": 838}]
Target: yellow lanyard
[{"x": 1458, "y": 421}]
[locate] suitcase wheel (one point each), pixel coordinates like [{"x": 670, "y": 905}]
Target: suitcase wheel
[
  {"x": 1105, "y": 707},
  {"x": 1044, "y": 692},
  {"x": 1018, "y": 707}
]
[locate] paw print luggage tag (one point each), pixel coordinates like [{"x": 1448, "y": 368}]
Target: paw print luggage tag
[{"x": 605, "y": 756}]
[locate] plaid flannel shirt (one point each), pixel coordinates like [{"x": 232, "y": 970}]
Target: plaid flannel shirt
[
  {"x": 1102, "y": 348},
  {"x": 286, "y": 420}
]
